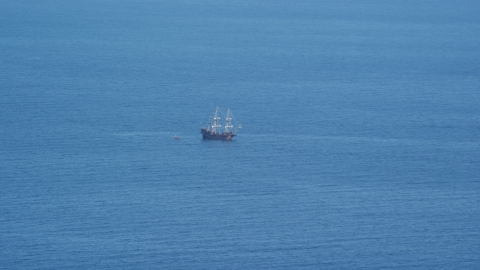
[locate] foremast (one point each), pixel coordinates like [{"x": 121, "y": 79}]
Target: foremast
[{"x": 228, "y": 119}]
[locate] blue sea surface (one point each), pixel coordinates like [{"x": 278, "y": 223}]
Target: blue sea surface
[{"x": 360, "y": 146}]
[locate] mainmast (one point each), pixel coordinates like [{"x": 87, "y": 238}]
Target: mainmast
[
  {"x": 216, "y": 124},
  {"x": 228, "y": 125}
]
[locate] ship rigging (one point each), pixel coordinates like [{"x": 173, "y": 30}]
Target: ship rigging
[{"x": 214, "y": 130}]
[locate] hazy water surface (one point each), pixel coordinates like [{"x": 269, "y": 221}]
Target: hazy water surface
[{"x": 359, "y": 149}]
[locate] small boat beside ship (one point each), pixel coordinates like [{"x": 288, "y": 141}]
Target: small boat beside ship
[{"x": 214, "y": 131}]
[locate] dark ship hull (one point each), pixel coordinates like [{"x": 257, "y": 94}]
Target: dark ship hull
[{"x": 208, "y": 134}]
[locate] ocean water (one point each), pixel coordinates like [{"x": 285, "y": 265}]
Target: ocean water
[{"x": 360, "y": 145}]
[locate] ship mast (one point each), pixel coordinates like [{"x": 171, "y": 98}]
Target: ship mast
[
  {"x": 228, "y": 125},
  {"x": 216, "y": 124}
]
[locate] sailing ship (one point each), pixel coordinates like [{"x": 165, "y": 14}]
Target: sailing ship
[{"x": 215, "y": 132}]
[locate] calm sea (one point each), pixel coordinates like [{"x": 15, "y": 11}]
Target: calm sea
[{"x": 360, "y": 145}]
